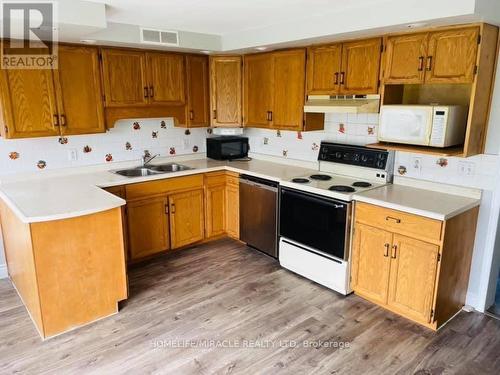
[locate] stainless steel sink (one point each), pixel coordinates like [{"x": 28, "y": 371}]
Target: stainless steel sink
[
  {"x": 136, "y": 172},
  {"x": 169, "y": 167},
  {"x": 152, "y": 170}
]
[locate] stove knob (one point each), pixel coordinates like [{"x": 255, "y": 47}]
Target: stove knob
[
  {"x": 364, "y": 158},
  {"x": 338, "y": 155},
  {"x": 380, "y": 164},
  {"x": 356, "y": 157}
]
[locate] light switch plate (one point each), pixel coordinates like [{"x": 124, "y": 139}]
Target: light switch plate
[
  {"x": 416, "y": 164},
  {"x": 72, "y": 154}
]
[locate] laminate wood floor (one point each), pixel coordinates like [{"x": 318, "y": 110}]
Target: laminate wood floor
[{"x": 200, "y": 311}]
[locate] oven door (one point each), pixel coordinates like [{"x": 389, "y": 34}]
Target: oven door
[{"x": 318, "y": 222}]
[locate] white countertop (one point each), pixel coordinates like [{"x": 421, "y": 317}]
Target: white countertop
[
  {"x": 67, "y": 193},
  {"x": 424, "y": 202}
]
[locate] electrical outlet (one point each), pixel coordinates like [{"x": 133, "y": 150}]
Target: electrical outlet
[
  {"x": 187, "y": 143},
  {"x": 466, "y": 168},
  {"x": 72, "y": 154},
  {"x": 416, "y": 164}
]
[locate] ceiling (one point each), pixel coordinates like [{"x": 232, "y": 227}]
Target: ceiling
[{"x": 219, "y": 17}]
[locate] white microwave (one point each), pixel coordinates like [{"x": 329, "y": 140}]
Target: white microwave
[{"x": 423, "y": 125}]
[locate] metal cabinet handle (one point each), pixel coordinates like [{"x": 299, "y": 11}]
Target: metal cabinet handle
[
  {"x": 146, "y": 92},
  {"x": 56, "y": 120},
  {"x": 393, "y": 253},
  {"x": 387, "y": 218},
  {"x": 429, "y": 63},
  {"x": 270, "y": 115},
  {"x": 151, "y": 91},
  {"x": 336, "y": 81},
  {"x": 166, "y": 208},
  {"x": 421, "y": 63},
  {"x": 386, "y": 253},
  {"x": 342, "y": 78},
  {"x": 215, "y": 114},
  {"x": 63, "y": 120},
  {"x": 172, "y": 208},
  {"x": 191, "y": 114}
]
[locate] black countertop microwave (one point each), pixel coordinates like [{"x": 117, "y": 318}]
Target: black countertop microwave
[{"x": 227, "y": 147}]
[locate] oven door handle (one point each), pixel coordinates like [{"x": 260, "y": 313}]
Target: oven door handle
[{"x": 322, "y": 200}]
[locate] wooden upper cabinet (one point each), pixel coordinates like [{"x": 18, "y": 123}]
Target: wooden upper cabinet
[
  {"x": 28, "y": 103},
  {"x": 125, "y": 78},
  {"x": 371, "y": 262},
  {"x": 288, "y": 89},
  {"x": 197, "y": 91},
  {"x": 225, "y": 90},
  {"x": 451, "y": 56},
  {"x": 148, "y": 226},
  {"x": 258, "y": 83},
  {"x": 79, "y": 94},
  {"x": 413, "y": 277},
  {"x": 405, "y": 58},
  {"x": 360, "y": 67},
  {"x": 323, "y": 69},
  {"x": 166, "y": 74},
  {"x": 186, "y": 217}
]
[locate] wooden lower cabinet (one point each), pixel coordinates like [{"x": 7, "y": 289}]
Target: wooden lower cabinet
[
  {"x": 418, "y": 276},
  {"x": 215, "y": 210},
  {"x": 370, "y": 271},
  {"x": 186, "y": 218},
  {"x": 148, "y": 224},
  {"x": 233, "y": 206},
  {"x": 412, "y": 277}
]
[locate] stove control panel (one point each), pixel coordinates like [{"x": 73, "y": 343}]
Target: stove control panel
[{"x": 353, "y": 155}]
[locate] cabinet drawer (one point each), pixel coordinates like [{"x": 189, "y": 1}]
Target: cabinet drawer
[
  {"x": 215, "y": 178},
  {"x": 167, "y": 185},
  {"x": 398, "y": 221}
]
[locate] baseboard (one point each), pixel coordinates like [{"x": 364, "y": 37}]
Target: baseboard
[{"x": 3, "y": 271}]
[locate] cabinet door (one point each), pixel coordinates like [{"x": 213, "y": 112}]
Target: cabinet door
[
  {"x": 289, "y": 89},
  {"x": 215, "y": 217},
  {"x": 323, "y": 69},
  {"x": 225, "y": 91},
  {"x": 78, "y": 84},
  {"x": 125, "y": 81},
  {"x": 233, "y": 209},
  {"x": 147, "y": 227},
  {"x": 412, "y": 277},
  {"x": 360, "y": 67},
  {"x": 405, "y": 58},
  {"x": 371, "y": 262},
  {"x": 258, "y": 81},
  {"x": 166, "y": 78},
  {"x": 28, "y": 103},
  {"x": 186, "y": 217},
  {"x": 451, "y": 56},
  {"x": 197, "y": 90}
]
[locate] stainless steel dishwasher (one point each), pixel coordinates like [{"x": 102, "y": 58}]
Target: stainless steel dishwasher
[{"x": 258, "y": 213}]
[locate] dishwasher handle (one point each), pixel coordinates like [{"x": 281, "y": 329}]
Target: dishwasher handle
[{"x": 258, "y": 182}]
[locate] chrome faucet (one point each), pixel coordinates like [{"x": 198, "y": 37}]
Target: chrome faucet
[{"x": 146, "y": 158}]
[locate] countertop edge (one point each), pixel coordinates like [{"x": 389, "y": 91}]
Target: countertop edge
[{"x": 417, "y": 211}]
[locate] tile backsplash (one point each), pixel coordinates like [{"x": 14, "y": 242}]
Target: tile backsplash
[
  {"x": 349, "y": 128},
  {"x": 125, "y": 142}
]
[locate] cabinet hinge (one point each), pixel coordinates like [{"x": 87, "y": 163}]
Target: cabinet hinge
[
  {"x": 382, "y": 47},
  {"x": 104, "y": 98},
  {"x": 479, "y": 39},
  {"x": 432, "y": 313},
  {"x": 378, "y": 83},
  {"x": 99, "y": 56},
  {"x": 439, "y": 257},
  {"x": 475, "y": 69},
  {"x": 166, "y": 208},
  {"x": 6, "y": 129}
]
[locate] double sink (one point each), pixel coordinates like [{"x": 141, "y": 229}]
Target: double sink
[{"x": 152, "y": 170}]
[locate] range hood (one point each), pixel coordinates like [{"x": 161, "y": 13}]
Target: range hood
[{"x": 342, "y": 104}]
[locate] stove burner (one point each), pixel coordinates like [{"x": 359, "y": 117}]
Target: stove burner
[
  {"x": 361, "y": 184},
  {"x": 300, "y": 180},
  {"x": 342, "y": 188},
  {"x": 321, "y": 177}
]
